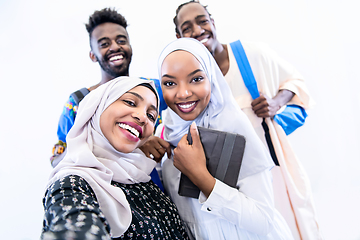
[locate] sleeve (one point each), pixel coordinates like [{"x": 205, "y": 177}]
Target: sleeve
[
  {"x": 250, "y": 207},
  {"x": 72, "y": 211},
  {"x": 286, "y": 77},
  {"x": 66, "y": 121}
]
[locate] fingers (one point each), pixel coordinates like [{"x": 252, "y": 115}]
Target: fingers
[
  {"x": 258, "y": 100},
  {"x": 195, "y": 135},
  {"x": 155, "y": 148}
]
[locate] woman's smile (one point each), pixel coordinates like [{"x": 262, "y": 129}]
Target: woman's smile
[
  {"x": 187, "y": 107},
  {"x": 132, "y": 128}
]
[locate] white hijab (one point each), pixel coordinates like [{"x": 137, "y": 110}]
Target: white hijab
[
  {"x": 222, "y": 112},
  {"x": 91, "y": 156}
]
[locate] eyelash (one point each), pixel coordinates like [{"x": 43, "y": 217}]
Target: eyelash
[
  {"x": 130, "y": 103},
  {"x": 197, "y": 79},
  {"x": 151, "y": 117},
  {"x": 167, "y": 84}
]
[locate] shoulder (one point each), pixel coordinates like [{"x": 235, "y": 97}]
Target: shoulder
[{"x": 78, "y": 95}]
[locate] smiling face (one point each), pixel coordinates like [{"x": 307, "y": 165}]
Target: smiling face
[
  {"x": 129, "y": 121},
  {"x": 193, "y": 21},
  {"x": 185, "y": 86},
  {"x": 110, "y": 47}
]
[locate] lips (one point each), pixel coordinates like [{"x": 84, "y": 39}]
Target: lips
[
  {"x": 187, "y": 107},
  {"x": 133, "y": 128}
]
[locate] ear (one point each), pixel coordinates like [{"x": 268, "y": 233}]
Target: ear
[
  {"x": 213, "y": 22},
  {"x": 178, "y": 35},
  {"x": 92, "y": 56}
]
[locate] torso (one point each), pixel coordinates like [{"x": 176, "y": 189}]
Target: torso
[{"x": 152, "y": 213}]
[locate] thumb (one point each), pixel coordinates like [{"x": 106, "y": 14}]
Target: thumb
[{"x": 195, "y": 135}]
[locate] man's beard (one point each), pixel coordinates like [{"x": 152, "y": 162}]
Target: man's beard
[{"x": 113, "y": 71}]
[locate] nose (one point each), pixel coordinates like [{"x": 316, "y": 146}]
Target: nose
[
  {"x": 184, "y": 92},
  {"x": 198, "y": 30},
  {"x": 114, "y": 46},
  {"x": 140, "y": 116}
]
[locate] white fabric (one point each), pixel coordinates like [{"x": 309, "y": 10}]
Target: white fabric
[
  {"x": 292, "y": 190},
  {"x": 245, "y": 212},
  {"x": 91, "y": 156}
]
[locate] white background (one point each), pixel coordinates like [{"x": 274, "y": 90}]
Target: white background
[{"x": 44, "y": 57}]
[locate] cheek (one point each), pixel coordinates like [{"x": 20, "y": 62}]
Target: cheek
[
  {"x": 168, "y": 96},
  {"x": 207, "y": 93}
]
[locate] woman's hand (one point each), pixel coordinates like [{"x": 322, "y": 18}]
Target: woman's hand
[
  {"x": 191, "y": 161},
  {"x": 155, "y": 148}
]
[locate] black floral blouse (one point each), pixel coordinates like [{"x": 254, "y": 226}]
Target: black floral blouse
[{"x": 72, "y": 212}]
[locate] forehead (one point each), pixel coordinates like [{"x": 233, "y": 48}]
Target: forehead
[
  {"x": 180, "y": 62},
  {"x": 108, "y": 30},
  {"x": 146, "y": 94},
  {"x": 181, "y": 56},
  {"x": 190, "y": 11}
]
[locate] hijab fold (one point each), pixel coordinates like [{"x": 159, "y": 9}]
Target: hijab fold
[
  {"x": 222, "y": 112},
  {"x": 91, "y": 156}
]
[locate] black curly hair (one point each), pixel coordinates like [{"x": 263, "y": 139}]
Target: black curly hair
[
  {"x": 179, "y": 8},
  {"x": 103, "y": 16}
]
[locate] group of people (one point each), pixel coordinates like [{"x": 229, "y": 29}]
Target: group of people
[{"x": 104, "y": 184}]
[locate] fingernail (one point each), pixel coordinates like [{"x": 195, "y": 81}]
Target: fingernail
[{"x": 193, "y": 125}]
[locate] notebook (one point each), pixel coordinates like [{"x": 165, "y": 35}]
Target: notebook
[{"x": 224, "y": 152}]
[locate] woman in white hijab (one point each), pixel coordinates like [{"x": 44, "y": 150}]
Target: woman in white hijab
[
  {"x": 102, "y": 187},
  {"x": 196, "y": 91}
]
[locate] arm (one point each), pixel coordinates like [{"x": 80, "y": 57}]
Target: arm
[
  {"x": 66, "y": 121},
  {"x": 249, "y": 207},
  {"x": 277, "y": 74},
  {"x": 265, "y": 106},
  {"x": 71, "y": 209}
]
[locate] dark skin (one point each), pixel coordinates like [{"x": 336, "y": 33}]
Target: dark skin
[
  {"x": 194, "y": 21},
  {"x": 157, "y": 147},
  {"x": 108, "y": 40}
]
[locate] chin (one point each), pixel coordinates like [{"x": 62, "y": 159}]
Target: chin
[
  {"x": 187, "y": 118},
  {"x": 125, "y": 149}
]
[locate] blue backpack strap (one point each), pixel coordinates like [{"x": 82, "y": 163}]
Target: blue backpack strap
[
  {"x": 79, "y": 95},
  {"x": 245, "y": 69},
  {"x": 250, "y": 82}
]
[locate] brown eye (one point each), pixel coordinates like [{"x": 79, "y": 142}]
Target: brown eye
[
  {"x": 151, "y": 117},
  {"x": 168, "y": 84},
  {"x": 130, "y": 103}
]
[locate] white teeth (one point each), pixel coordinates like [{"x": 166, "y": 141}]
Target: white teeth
[
  {"x": 118, "y": 57},
  {"x": 187, "y": 105},
  {"x": 204, "y": 40},
  {"x": 131, "y": 129}
]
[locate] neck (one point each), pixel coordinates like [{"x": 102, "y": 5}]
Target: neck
[
  {"x": 221, "y": 57},
  {"x": 105, "y": 77}
]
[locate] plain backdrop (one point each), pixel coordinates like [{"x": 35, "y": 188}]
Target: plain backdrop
[{"x": 44, "y": 57}]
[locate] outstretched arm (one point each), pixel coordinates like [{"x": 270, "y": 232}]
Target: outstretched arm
[{"x": 72, "y": 211}]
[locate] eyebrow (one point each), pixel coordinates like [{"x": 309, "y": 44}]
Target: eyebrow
[
  {"x": 188, "y": 21},
  {"x": 106, "y": 38},
  {"x": 194, "y": 72},
  {"x": 142, "y": 99},
  {"x": 189, "y": 75}
]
